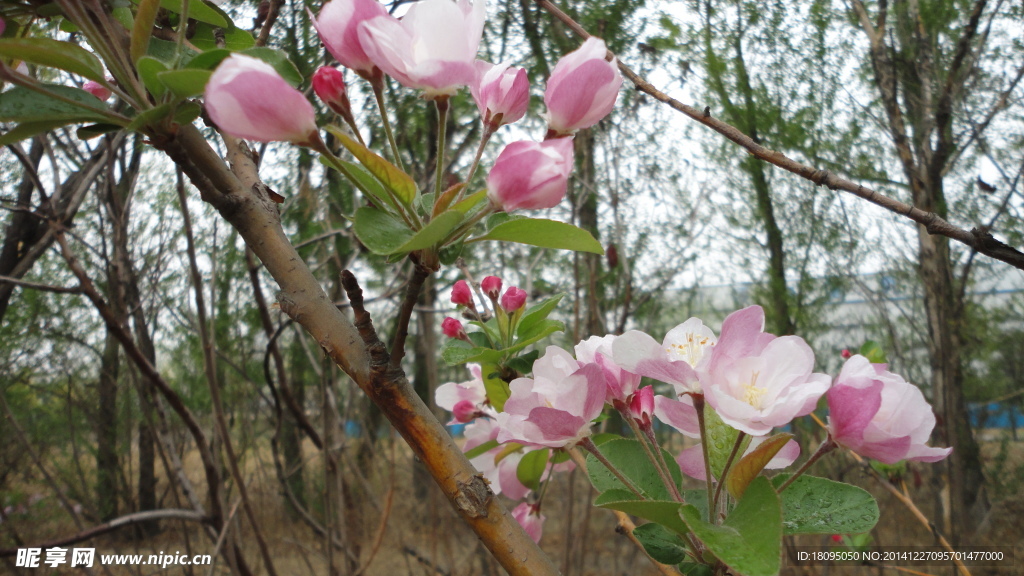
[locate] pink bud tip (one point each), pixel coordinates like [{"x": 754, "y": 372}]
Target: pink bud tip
[
  {"x": 96, "y": 89},
  {"x": 329, "y": 85},
  {"x": 642, "y": 405},
  {"x": 837, "y": 538},
  {"x": 461, "y": 295},
  {"x": 464, "y": 411},
  {"x": 845, "y": 354},
  {"x": 513, "y": 299},
  {"x": 491, "y": 286},
  {"x": 451, "y": 327}
]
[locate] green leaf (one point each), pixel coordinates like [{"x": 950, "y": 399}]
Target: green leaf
[
  {"x": 371, "y": 188},
  {"x": 209, "y": 59},
  {"x": 123, "y": 14},
  {"x": 187, "y": 112},
  {"x": 149, "y": 68},
  {"x": 524, "y": 363},
  {"x": 54, "y": 54},
  {"x": 450, "y": 254},
  {"x": 142, "y": 28},
  {"x": 237, "y": 39},
  {"x": 720, "y": 440},
  {"x": 167, "y": 52},
  {"x": 397, "y": 182},
  {"x": 537, "y": 312},
  {"x": 497, "y": 389},
  {"x": 186, "y": 82},
  {"x": 457, "y": 352},
  {"x": 434, "y": 232},
  {"x": 94, "y": 130},
  {"x": 661, "y": 543},
  {"x": 750, "y": 540},
  {"x": 21, "y": 104},
  {"x": 531, "y": 468},
  {"x": 698, "y": 499},
  {"x": 873, "y": 352},
  {"x": 150, "y": 117},
  {"x": 279, "y": 60},
  {"x": 546, "y": 234},
  {"x": 29, "y": 129},
  {"x": 198, "y": 10},
  {"x": 481, "y": 449},
  {"x": 744, "y": 471},
  {"x": 629, "y": 458},
  {"x": 467, "y": 204},
  {"x": 663, "y": 512},
  {"x": 380, "y": 232},
  {"x": 813, "y": 505},
  {"x": 538, "y": 331},
  {"x": 695, "y": 569}
]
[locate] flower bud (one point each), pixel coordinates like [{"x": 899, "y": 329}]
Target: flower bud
[
  {"x": 452, "y": 328},
  {"x": 845, "y": 354},
  {"x": 338, "y": 27},
  {"x": 582, "y": 88},
  {"x": 491, "y": 286},
  {"x": 329, "y": 85},
  {"x": 501, "y": 93},
  {"x": 530, "y": 176},
  {"x": 248, "y": 99},
  {"x": 641, "y": 406},
  {"x": 530, "y": 518},
  {"x": 513, "y": 300},
  {"x": 461, "y": 294},
  {"x": 465, "y": 411},
  {"x": 96, "y": 89}
]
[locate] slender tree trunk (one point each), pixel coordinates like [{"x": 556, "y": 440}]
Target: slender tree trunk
[
  {"x": 106, "y": 431},
  {"x": 585, "y": 185}
]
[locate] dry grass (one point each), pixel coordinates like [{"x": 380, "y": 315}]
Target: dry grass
[{"x": 423, "y": 535}]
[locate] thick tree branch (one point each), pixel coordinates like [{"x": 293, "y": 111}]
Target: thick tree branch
[
  {"x": 931, "y": 221},
  {"x": 243, "y": 200}
]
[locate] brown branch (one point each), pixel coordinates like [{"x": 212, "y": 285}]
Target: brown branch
[
  {"x": 115, "y": 524},
  {"x": 243, "y": 200},
  {"x": 40, "y": 287},
  {"x": 932, "y": 222},
  {"x": 412, "y": 295}
]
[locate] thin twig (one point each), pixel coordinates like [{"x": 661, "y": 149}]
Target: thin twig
[
  {"x": 933, "y": 223},
  {"x": 412, "y": 295},
  {"x": 41, "y": 287}
]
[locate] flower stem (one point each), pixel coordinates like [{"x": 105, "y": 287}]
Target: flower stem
[
  {"x": 488, "y": 132},
  {"x": 659, "y": 464},
  {"x": 698, "y": 404},
  {"x": 378, "y": 91},
  {"x": 588, "y": 445},
  {"x": 649, "y": 434},
  {"x": 827, "y": 446},
  {"x": 728, "y": 464},
  {"x": 318, "y": 145},
  {"x": 441, "y": 102}
]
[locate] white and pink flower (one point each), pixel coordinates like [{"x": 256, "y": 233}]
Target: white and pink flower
[
  {"x": 880, "y": 415},
  {"x": 530, "y": 176},
  {"x": 582, "y": 88}
]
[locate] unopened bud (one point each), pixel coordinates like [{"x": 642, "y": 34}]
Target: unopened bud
[
  {"x": 329, "y": 85},
  {"x": 491, "y": 286},
  {"x": 461, "y": 294},
  {"x": 513, "y": 300}
]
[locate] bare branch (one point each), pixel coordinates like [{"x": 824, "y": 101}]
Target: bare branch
[{"x": 932, "y": 222}]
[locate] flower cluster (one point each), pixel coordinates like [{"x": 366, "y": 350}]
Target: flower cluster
[
  {"x": 751, "y": 381},
  {"x": 432, "y": 48}
]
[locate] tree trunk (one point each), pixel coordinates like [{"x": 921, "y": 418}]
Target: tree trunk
[{"x": 106, "y": 431}]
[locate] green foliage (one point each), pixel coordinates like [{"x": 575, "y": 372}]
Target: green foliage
[
  {"x": 813, "y": 505},
  {"x": 661, "y": 543},
  {"x": 544, "y": 233},
  {"x": 629, "y": 457},
  {"x": 750, "y": 540}
]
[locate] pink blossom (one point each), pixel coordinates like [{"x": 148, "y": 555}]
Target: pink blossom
[
  {"x": 491, "y": 286},
  {"x": 673, "y": 361},
  {"x": 451, "y": 394},
  {"x": 513, "y": 299},
  {"x": 461, "y": 294},
  {"x": 621, "y": 384},
  {"x": 846, "y": 354},
  {"x": 641, "y": 407},
  {"x": 452, "y": 328},
  {"x": 556, "y": 406},
  {"x": 530, "y": 518},
  {"x": 96, "y": 89},
  {"x": 329, "y": 85},
  {"x": 582, "y": 88},
  {"x": 433, "y": 48},
  {"x": 498, "y": 465},
  {"x": 679, "y": 414},
  {"x": 338, "y": 27},
  {"x": 248, "y": 99},
  {"x": 755, "y": 381},
  {"x": 691, "y": 460},
  {"x": 530, "y": 176},
  {"x": 502, "y": 93},
  {"x": 880, "y": 415}
]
